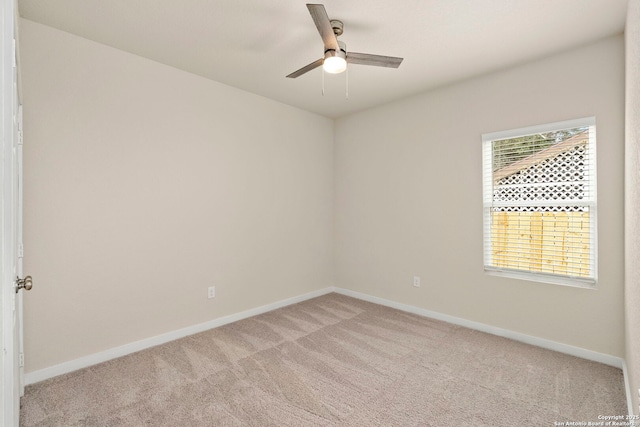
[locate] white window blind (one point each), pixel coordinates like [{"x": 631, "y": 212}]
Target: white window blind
[{"x": 539, "y": 186}]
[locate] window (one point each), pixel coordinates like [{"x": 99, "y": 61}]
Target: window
[{"x": 540, "y": 203}]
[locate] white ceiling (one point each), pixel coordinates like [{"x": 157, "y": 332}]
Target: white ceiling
[{"x": 254, "y": 44}]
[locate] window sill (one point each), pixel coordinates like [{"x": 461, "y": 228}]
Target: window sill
[{"x": 575, "y": 282}]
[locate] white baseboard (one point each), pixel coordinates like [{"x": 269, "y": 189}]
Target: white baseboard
[
  {"x": 627, "y": 387},
  {"x": 93, "y": 359},
  {"x": 517, "y": 336},
  {"x": 113, "y": 353}
]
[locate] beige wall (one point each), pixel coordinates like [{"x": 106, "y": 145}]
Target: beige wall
[
  {"x": 409, "y": 197},
  {"x": 632, "y": 200},
  {"x": 145, "y": 184}
]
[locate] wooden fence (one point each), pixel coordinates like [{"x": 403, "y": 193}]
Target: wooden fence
[{"x": 548, "y": 242}]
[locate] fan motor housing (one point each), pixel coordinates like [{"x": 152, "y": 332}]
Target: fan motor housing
[
  {"x": 341, "y": 53},
  {"x": 342, "y": 45}
]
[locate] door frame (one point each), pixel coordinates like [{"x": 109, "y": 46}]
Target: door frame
[{"x": 9, "y": 316}]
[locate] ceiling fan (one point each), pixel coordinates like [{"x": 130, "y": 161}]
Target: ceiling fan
[{"x": 336, "y": 56}]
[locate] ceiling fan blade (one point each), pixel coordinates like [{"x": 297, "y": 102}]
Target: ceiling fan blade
[
  {"x": 306, "y": 68},
  {"x": 377, "y": 60},
  {"x": 321, "y": 19}
]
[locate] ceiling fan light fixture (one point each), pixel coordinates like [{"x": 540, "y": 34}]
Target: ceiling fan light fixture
[{"x": 335, "y": 61}]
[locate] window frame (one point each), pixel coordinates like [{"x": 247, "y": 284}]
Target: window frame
[{"x": 488, "y": 203}]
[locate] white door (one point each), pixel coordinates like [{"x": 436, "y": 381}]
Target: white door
[{"x": 10, "y": 220}]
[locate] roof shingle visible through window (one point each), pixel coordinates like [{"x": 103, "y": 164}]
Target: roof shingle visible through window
[{"x": 547, "y": 153}]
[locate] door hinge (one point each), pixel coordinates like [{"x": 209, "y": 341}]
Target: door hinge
[
  {"x": 20, "y": 250},
  {"x": 20, "y": 137},
  {"x": 21, "y": 360}
]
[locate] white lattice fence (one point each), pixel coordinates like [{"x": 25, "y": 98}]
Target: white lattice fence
[{"x": 561, "y": 178}]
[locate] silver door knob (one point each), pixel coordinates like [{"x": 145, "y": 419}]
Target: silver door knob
[{"x": 26, "y": 283}]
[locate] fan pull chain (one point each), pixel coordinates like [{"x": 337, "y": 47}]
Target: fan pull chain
[{"x": 323, "y": 81}]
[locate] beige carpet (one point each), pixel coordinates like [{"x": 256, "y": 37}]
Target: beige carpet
[{"x": 332, "y": 361}]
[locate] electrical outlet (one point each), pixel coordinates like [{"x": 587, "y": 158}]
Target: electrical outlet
[
  {"x": 211, "y": 292},
  {"x": 416, "y": 281}
]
